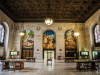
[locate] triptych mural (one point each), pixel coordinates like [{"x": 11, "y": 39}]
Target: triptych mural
[{"x": 49, "y": 39}]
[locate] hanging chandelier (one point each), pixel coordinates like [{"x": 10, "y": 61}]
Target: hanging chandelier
[
  {"x": 21, "y": 32},
  {"x": 76, "y": 33},
  {"x": 48, "y": 21}
]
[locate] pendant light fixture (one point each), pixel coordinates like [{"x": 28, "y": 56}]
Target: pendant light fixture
[
  {"x": 76, "y": 33},
  {"x": 21, "y": 32},
  {"x": 48, "y": 21}
]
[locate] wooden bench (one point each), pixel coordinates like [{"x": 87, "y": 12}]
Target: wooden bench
[
  {"x": 69, "y": 59},
  {"x": 6, "y": 64},
  {"x": 30, "y": 59}
]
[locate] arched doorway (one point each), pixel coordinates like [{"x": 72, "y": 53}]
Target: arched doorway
[
  {"x": 70, "y": 44},
  {"x": 49, "y": 44},
  {"x": 28, "y": 44}
]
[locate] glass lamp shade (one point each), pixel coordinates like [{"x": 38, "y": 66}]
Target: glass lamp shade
[
  {"x": 76, "y": 33},
  {"x": 21, "y": 33},
  {"x": 48, "y": 21}
]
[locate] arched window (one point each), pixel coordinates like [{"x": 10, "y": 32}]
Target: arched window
[
  {"x": 2, "y": 33},
  {"x": 97, "y": 36}
]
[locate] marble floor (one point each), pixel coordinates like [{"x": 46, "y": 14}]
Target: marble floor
[{"x": 41, "y": 68}]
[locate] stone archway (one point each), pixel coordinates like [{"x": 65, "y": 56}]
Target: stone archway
[
  {"x": 92, "y": 45},
  {"x": 5, "y": 38}
]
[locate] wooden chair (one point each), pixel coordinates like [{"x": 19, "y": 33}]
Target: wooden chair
[
  {"x": 33, "y": 59},
  {"x": 17, "y": 65},
  {"x": 4, "y": 57},
  {"x": 49, "y": 60},
  {"x": 87, "y": 65},
  {"x": 5, "y": 65},
  {"x": 27, "y": 59},
  {"x": 97, "y": 65}
]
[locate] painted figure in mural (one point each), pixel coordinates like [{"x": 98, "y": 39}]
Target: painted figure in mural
[
  {"x": 70, "y": 41},
  {"x": 28, "y": 43},
  {"x": 48, "y": 40}
]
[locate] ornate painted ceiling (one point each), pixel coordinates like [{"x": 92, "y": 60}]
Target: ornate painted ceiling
[{"x": 58, "y": 10}]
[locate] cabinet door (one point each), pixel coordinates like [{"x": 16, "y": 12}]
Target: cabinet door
[{"x": 27, "y": 53}]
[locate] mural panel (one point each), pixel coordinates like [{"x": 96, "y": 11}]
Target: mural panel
[
  {"x": 49, "y": 38},
  {"x": 70, "y": 40},
  {"x": 28, "y": 40}
]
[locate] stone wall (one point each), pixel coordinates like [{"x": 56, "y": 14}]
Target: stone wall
[
  {"x": 14, "y": 42},
  {"x": 89, "y": 25},
  {"x": 5, "y": 19},
  {"x": 38, "y": 36}
]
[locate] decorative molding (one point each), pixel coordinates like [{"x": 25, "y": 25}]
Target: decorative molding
[
  {"x": 17, "y": 28},
  {"x": 86, "y": 28},
  {"x": 38, "y": 28},
  {"x": 11, "y": 26},
  {"x": 81, "y": 28},
  {"x": 59, "y": 28}
]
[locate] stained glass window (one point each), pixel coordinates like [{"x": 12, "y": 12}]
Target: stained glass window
[{"x": 1, "y": 33}]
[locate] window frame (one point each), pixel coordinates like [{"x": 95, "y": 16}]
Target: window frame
[
  {"x": 2, "y": 44},
  {"x": 96, "y": 44}
]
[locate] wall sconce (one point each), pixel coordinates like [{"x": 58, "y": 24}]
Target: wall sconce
[
  {"x": 59, "y": 28},
  {"x": 38, "y": 28}
]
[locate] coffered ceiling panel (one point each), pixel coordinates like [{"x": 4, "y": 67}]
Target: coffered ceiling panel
[{"x": 58, "y": 10}]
